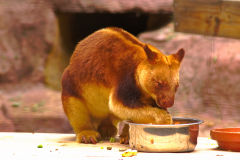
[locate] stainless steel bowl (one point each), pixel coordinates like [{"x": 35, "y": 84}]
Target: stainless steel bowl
[{"x": 181, "y": 136}]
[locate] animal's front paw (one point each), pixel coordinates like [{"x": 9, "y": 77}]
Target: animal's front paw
[
  {"x": 162, "y": 117},
  {"x": 124, "y": 139},
  {"x": 107, "y": 130},
  {"x": 124, "y": 133},
  {"x": 88, "y": 136}
]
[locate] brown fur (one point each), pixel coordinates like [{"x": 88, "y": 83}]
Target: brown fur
[{"x": 113, "y": 76}]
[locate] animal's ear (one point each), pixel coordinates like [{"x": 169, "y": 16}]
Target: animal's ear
[
  {"x": 179, "y": 55},
  {"x": 150, "y": 54}
]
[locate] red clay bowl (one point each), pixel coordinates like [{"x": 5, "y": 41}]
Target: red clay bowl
[{"x": 227, "y": 138}]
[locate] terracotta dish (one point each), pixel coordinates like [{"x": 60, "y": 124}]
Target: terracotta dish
[{"x": 227, "y": 138}]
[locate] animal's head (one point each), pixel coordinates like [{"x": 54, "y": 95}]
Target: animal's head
[{"x": 158, "y": 76}]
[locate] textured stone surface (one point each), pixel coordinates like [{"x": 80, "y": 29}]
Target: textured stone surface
[
  {"x": 26, "y": 36},
  {"x": 6, "y": 125},
  {"x": 113, "y": 6},
  {"x": 32, "y": 108}
]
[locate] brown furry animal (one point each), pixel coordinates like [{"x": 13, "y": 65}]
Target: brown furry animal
[{"x": 112, "y": 76}]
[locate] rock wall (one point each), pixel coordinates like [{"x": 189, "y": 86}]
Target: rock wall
[
  {"x": 113, "y": 6},
  {"x": 26, "y": 37}
]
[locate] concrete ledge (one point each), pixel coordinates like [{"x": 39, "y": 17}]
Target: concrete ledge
[
  {"x": 62, "y": 146},
  {"x": 33, "y": 108}
]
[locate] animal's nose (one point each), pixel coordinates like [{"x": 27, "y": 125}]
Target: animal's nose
[{"x": 165, "y": 102}]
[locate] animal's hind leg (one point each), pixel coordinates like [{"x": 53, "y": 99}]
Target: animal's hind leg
[
  {"x": 107, "y": 127},
  {"x": 124, "y": 133},
  {"x": 80, "y": 120}
]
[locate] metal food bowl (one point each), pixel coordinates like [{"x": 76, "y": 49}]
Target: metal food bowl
[{"x": 181, "y": 136}]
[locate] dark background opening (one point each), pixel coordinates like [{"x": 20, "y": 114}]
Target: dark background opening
[{"x": 76, "y": 26}]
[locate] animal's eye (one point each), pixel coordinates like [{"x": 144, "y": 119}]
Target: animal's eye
[{"x": 159, "y": 85}]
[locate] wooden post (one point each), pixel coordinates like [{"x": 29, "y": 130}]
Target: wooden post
[{"x": 208, "y": 17}]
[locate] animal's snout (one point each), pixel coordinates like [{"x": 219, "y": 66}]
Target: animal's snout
[{"x": 165, "y": 101}]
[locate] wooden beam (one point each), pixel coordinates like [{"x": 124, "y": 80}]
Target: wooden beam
[{"x": 208, "y": 17}]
